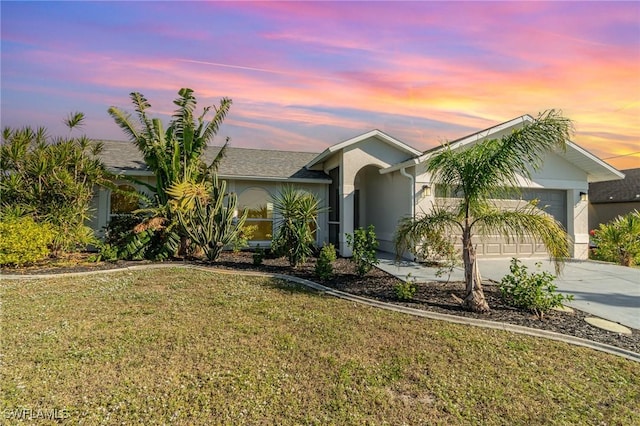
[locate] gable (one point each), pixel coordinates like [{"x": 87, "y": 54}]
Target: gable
[
  {"x": 593, "y": 168},
  {"x": 399, "y": 150}
]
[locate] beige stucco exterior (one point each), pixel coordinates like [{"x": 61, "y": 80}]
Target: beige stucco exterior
[{"x": 378, "y": 180}]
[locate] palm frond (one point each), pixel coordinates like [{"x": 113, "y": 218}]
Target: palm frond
[
  {"x": 211, "y": 129},
  {"x": 74, "y": 119},
  {"x": 222, "y": 153},
  {"x": 526, "y": 222},
  {"x": 123, "y": 120},
  {"x": 413, "y": 232},
  {"x": 494, "y": 166}
]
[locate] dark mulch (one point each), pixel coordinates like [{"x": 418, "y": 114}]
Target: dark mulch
[{"x": 377, "y": 284}]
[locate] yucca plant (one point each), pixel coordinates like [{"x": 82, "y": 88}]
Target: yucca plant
[{"x": 298, "y": 212}]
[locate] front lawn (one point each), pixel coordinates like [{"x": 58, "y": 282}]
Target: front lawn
[{"x": 190, "y": 347}]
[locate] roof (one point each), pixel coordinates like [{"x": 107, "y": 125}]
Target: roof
[
  {"x": 373, "y": 133},
  {"x": 247, "y": 163},
  {"x": 620, "y": 191},
  {"x": 596, "y": 169}
]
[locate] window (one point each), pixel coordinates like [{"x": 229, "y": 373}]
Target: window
[
  {"x": 259, "y": 208},
  {"x": 124, "y": 200}
]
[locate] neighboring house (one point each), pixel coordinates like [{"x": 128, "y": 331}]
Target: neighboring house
[
  {"x": 608, "y": 200},
  {"x": 376, "y": 179}
]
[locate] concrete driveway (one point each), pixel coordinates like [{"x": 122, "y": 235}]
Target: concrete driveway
[{"x": 607, "y": 291}]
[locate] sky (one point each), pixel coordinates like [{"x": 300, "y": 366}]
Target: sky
[{"x": 306, "y": 75}]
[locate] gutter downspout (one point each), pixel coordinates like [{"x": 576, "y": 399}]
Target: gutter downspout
[{"x": 403, "y": 172}]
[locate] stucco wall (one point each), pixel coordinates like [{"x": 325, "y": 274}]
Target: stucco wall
[
  {"x": 102, "y": 204},
  {"x": 384, "y": 199}
]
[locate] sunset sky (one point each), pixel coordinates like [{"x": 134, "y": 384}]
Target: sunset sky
[{"x": 306, "y": 75}]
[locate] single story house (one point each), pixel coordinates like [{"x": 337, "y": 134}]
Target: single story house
[
  {"x": 375, "y": 179},
  {"x": 610, "y": 199}
]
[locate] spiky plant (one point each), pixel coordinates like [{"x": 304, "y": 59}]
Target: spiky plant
[
  {"x": 211, "y": 223},
  {"x": 298, "y": 212}
]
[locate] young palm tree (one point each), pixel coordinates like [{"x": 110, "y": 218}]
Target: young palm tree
[{"x": 476, "y": 176}]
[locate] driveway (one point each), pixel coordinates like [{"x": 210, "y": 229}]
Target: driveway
[{"x": 604, "y": 290}]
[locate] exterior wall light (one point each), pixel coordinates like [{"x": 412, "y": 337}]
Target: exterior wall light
[
  {"x": 584, "y": 196},
  {"x": 426, "y": 190}
]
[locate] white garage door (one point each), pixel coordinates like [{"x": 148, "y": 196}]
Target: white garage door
[{"x": 553, "y": 202}]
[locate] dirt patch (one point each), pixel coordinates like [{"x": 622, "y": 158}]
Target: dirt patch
[{"x": 377, "y": 284}]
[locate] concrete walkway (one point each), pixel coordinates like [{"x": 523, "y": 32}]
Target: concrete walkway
[{"x": 607, "y": 291}]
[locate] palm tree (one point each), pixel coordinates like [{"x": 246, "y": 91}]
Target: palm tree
[{"x": 476, "y": 176}]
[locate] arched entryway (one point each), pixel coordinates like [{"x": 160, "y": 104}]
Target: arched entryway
[{"x": 376, "y": 202}]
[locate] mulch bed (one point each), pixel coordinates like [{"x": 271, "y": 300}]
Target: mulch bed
[{"x": 377, "y": 284}]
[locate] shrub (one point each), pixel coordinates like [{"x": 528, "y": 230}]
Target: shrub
[
  {"x": 23, "y": 241},
  {"x": 53, "y": 180},
  {"x": 258, "y": 256},
  {"x": 405, "y": 290},
  {"x": 535, "y": 292},
  {"x": 363, "y": 243},
  {"x": 619, "y": 240},
  {"x": 324, "y": 264},
  {"x": 244, "y": 236}
]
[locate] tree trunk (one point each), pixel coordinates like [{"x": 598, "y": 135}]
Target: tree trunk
[{"x": 474, "y": 299}]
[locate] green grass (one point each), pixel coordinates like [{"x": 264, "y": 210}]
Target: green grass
[{"x": 190, "y": 347}]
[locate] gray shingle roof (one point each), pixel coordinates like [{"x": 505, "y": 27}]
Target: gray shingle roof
[
  {"x": 617, "y": 191},
  {"x": 239, "y": 162}
]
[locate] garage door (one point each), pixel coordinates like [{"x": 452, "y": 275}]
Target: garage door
[{"x": 554, "y": 202}]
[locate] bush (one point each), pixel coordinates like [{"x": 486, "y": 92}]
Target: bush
[
  {"x": 244, "y": 236},
  {"x": 53, "y": 179},
  {"x": 324, "y": 264},
  {"x": 211, "y": 224},
  {"x": 535, "y": 292},
  {"x": 258, "y": 256},
  {"x": 23, "y": 241},
  {"x": 619, "y": 240},
  {"x": 363, "y": 243},
  {"x": 405, "y": 290}
]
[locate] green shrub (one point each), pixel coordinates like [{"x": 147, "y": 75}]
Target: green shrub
[
  {"x": 405, "y": 290},
  {"x": 211, "y": 223},
  {"x": 535, "y": 292},
  {"x": 258, "y": 256},
  {"x": 363, "y": 243},
  {"x": 619, "y": 240},
  {"x": 244, "y": 236},
  {"x": 23, "y": 241},
  {"x": 53, "y": 180},
  {"x": 324, "y": 264}
]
